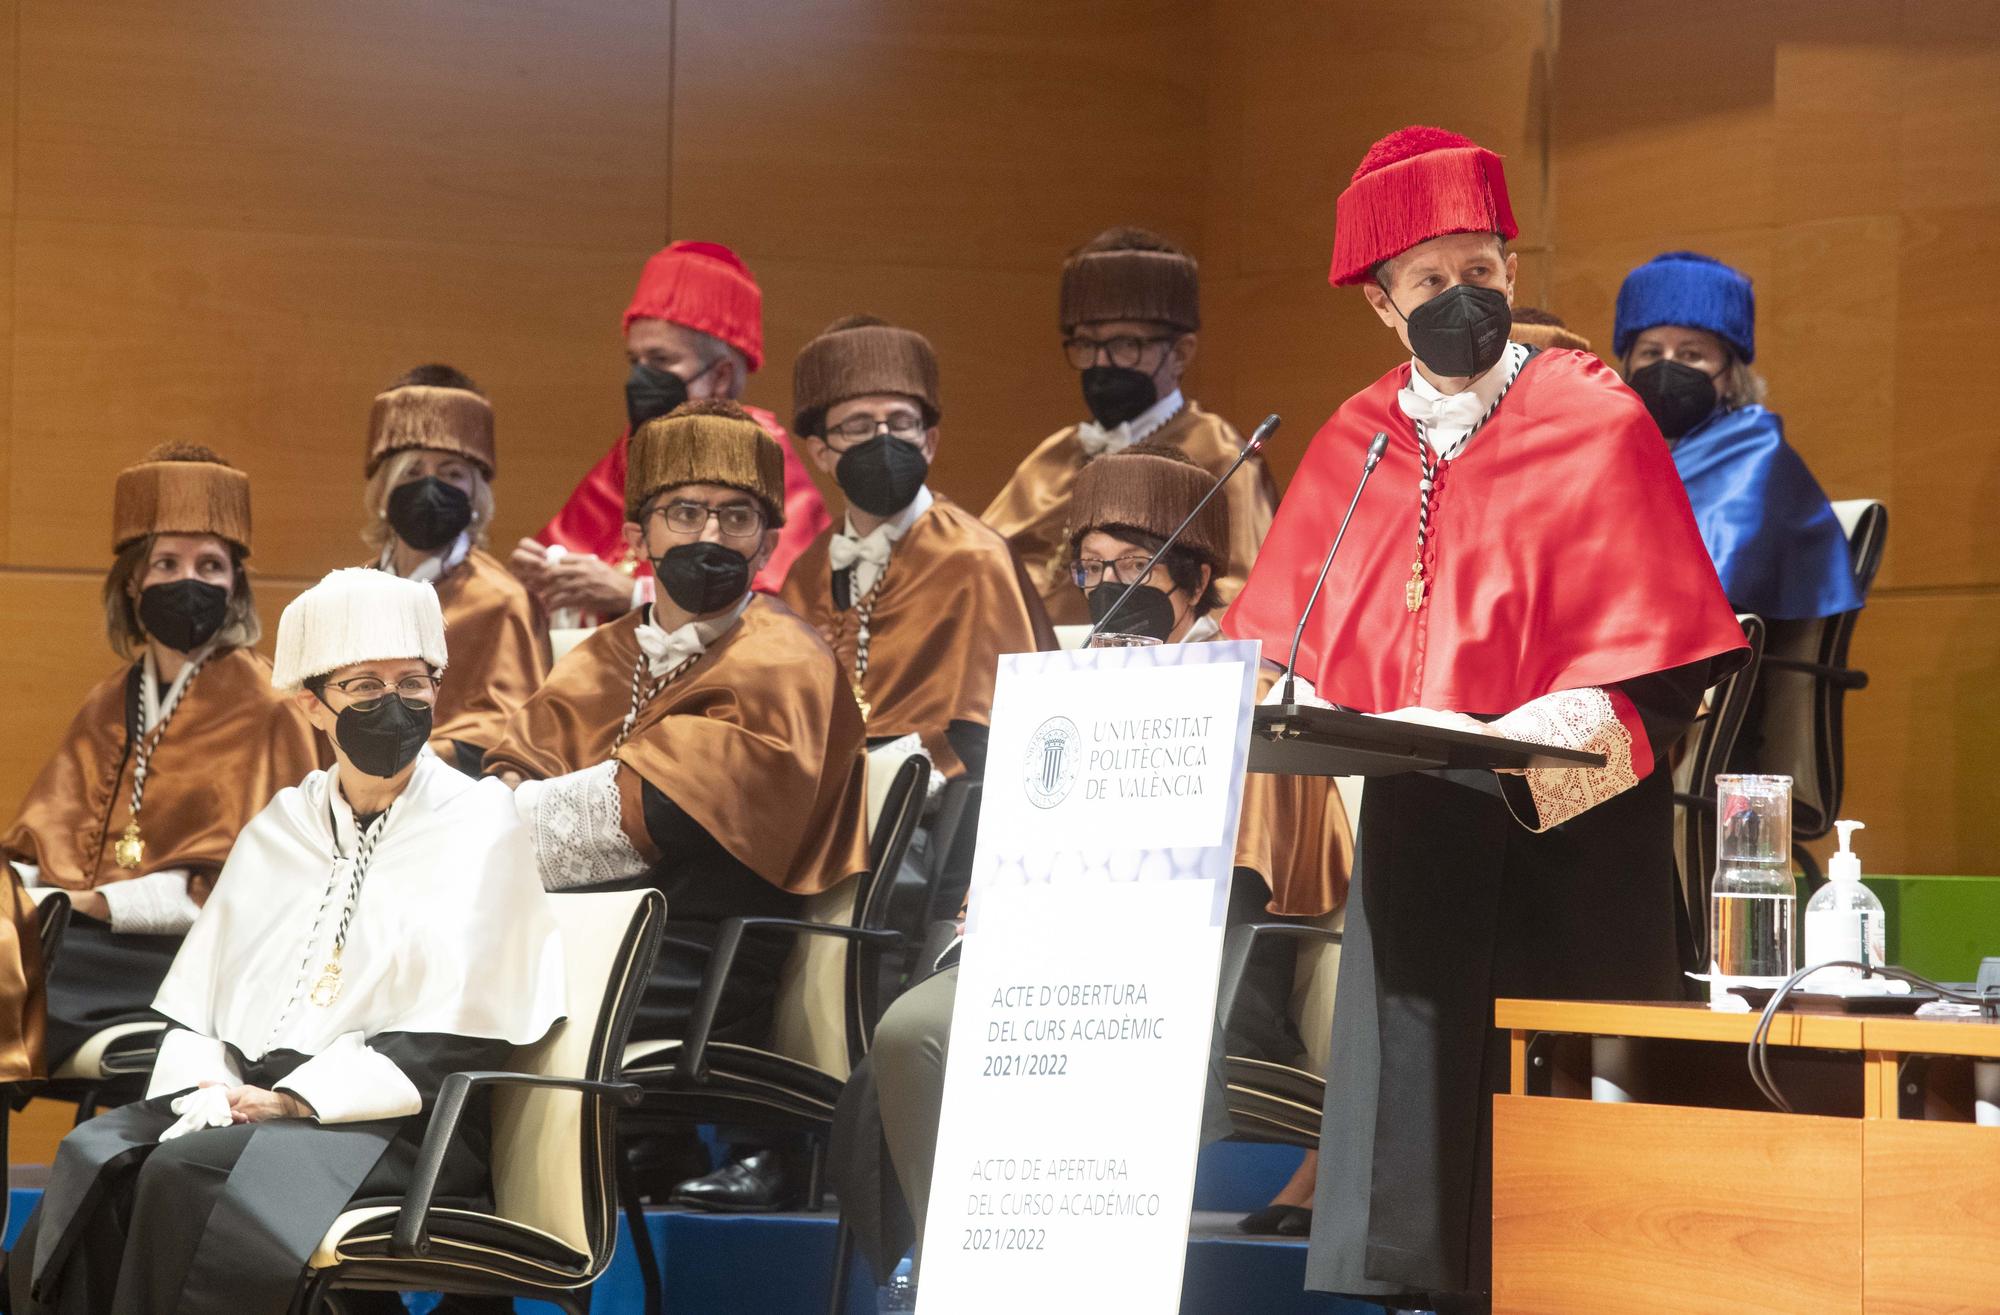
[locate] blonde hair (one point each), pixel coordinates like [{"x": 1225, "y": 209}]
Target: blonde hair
[
  {"x": 241, "y": 627},
  {"x": 376, "y": 531},
  {"x": 1739, "y": 385}
]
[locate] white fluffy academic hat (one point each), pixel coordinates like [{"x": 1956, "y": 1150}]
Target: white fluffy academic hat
[{"x": 357, "y": 615}]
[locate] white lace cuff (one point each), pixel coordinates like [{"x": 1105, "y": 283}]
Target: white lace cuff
[
  {"x": 578, "y": 827},
  {"x": 1570, "y": 719},
  {"x": 157, "y": 904}
]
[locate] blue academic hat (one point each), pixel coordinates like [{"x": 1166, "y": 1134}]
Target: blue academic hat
[{"x": 1689, "y": 289}]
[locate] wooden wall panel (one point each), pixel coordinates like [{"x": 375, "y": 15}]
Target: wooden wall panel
[
  {"x": 1947, "y": 460},
  {"x": 453, "y": 121},
  {"x": 932, "y": 164},
  {"x": 1920, "y": 765},
  {"x": 1298, "y": 92},
  {"x": 269, "y": 347},
  {"x": 910, "y": 134}
]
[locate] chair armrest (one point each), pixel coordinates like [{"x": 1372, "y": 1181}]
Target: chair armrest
[
  {"x": 1838, "y": 677},
  {"x": 692, "y": 1067},
  {"x": 412, "y": 1235},
  {"x": 1236, "y": 945}
]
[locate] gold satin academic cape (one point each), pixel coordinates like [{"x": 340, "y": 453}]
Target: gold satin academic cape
[
  {"x": 22, "y": 1009},
  {"x": 498, "y": 641},
  {"x": 1294, "y": 834},
  {"x": 760, "y": 741},
  {"x": 1032, "y": 512},
  {"x": 231, "y": 745},
  {"x": 951, "y": 602}
]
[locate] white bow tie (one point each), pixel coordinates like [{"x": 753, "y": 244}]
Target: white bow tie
[
  {"x": 1458, "y": 411},
  {"x": 666, "y": 650},
  {"x": 845, "y": 550},
  {"x": 1097, "y": 440}
]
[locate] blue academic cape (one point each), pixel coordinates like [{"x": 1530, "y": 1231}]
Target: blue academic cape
[{"x": 1776, "y": 543}]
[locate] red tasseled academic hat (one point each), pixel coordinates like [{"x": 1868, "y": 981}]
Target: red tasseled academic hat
[
  {"x": 1416, "y": 184},
  {"x": 705, "y": 286}
]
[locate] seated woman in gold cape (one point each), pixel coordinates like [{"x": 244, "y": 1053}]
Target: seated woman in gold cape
[
  {"x": 431, "y": 463},
  {"x": 168, "y": 757}
]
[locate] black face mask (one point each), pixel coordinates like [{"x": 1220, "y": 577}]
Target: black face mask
[
  {"x": 651, "y": 393},
  {"x": 428, "y": 513},
  {"x": 184, "y": 614},
  {"x": 703, "y": 577},
  {"x": 1116, "y": 394},
  {"x": 384, "y": 736},
  {"x": 881, "y": 475},
  {"x": 1147, "y": 612},
  {"x": 1461, "y": 332},
  {"x": 1679, "y": 396}
]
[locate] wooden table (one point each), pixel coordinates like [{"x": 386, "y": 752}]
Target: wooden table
[{"x": 1695, "y": 1195}]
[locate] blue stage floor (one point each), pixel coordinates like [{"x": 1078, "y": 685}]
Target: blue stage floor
[{"x": 779, "y": 1264}]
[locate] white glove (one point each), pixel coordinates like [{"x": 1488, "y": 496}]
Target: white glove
[{"x": 204, "y": 1107}]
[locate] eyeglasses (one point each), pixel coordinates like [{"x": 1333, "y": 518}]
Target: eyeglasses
[
  {"x": 1089, "y": 572},
  {"x": 417, "y": 689},
  {"x": 858, "y": 429},
  {"x": 1123, "y": 351},
  {"x": 738, "y": 520}
]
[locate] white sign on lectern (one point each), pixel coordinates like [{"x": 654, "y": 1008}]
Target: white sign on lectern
[{"x": 1086, "y": 992}]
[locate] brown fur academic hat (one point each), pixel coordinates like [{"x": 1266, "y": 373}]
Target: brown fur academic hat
[
  {"x": 856, "y": 356},
  {"x": 706, "y": 442},
  {"x": 1130, "y": 274},
  {"x": 444, "y": 419},
  {"x": 1540, "y": 328},
  {"x": 181, "y": 488},
  {"x": 1151, "y": 487}
]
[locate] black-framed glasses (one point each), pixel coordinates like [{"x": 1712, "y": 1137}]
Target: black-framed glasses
[
  {"x": 1123, "y": 351},
  {"x": 417, "y": 689},
  {"x": 1089, "y": 572},
  {"x": 858, "y": 429},
  {"x": 738, "y": 520}
]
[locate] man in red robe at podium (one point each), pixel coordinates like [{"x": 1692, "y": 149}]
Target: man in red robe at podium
[
  {"x": 1522, "y": 562},
  {"x": 695, "y": 329}
]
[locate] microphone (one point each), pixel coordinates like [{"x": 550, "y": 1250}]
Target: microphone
[
  {"x": 1376, "y": 448},
  {"x": 1250, "y": 449}
]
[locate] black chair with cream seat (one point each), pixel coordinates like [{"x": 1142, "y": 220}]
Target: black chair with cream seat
[
  {"x": 1270, "y": 1101},
  {"x": 827, "y": 1008},
  {"x": 554, "y": 1222},
  {"x": 1795, "y": 726},
  {"x": 1708, "y": 745},
  {"x": 1273, "y": 1102}
]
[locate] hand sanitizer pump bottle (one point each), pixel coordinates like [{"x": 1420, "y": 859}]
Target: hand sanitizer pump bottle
[{"x": 1844, "y": 919}]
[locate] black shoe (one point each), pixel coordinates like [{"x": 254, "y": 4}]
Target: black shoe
[
  {"x": 757, "y": 1182},
  {"x": 1278, "y": 1221}
]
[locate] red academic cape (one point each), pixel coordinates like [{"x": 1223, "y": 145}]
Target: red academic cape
[
  {"x": 592, "y": 520},
  {"x": 1562, "y": 553}
]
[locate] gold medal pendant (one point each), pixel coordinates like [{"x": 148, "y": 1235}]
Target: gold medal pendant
[
  {"x": 1413, "y": 592},
  {"x": 129, "y": 850},
  {"x": 327, "y": 989},
  {"x": 861, "y": 701}
]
